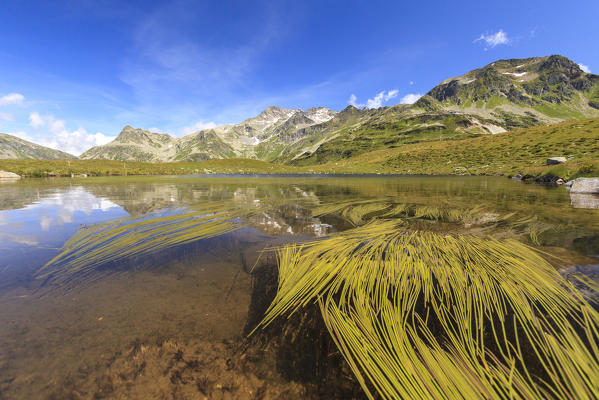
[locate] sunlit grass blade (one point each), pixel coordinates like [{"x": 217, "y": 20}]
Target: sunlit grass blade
[{"x": 120, "y": 239}]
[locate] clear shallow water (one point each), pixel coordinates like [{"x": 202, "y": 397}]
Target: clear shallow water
[{"x": 72, "y": 338}]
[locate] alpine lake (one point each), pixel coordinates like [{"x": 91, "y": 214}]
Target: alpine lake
[{"x": 157, "y": 287}]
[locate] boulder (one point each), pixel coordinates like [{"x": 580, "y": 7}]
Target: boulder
[
  {"x": 584, "y": 185},
  {"x": 8, "y": 175},
  {"x": 556, "y": 160},
  {"x": 548, "y": 179}
]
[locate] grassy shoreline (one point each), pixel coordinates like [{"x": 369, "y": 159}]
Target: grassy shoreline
[{"x": 78, "y": 168}]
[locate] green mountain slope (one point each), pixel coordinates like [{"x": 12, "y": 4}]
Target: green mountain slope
[
  {"x": 520, "y": 151},
  {"x": 505, "y": 95},
  {"x": 366, "y": 130},
  {"x": 520, "y": 92},
  {"x": 12, "y": 147}
]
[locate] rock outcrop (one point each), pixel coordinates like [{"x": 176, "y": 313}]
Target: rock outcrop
[
  {"x": 584, "y": 185},
  {"x": 556, "y": 160},
  {"x": 8, "y": 175}
]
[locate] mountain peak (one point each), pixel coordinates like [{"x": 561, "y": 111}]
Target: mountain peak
[
  {"x": 274, "y": 111},
  {"x": 560, "y": 62},
  {"x": 349, "y": 109},
  {"x": 129, "y": 132},
  {"x": 528, "y": 82},
  {"x": 320, "y": 114}
]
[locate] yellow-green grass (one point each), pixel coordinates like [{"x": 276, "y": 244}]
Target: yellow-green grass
[
  {"x": 420, "y": 315},
  {"x": 457, "y": 217},
  {"x": 519, "y": 151},
  {"x": 123, "y": 238},
  {"x": 44, "y": 168}
]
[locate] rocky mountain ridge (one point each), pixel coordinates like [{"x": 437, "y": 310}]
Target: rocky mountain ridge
[
  {"x": 252, "y": 138},
  {"x": 520, "y": 92},
  {"x": 14, "y": 147}
]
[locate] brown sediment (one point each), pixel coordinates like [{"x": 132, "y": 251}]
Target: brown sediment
[{"x": 170, "y": 370}]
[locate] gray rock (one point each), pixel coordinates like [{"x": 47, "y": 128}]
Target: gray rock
[
  {"x": 556, "y": 160},
  {"x": 517, "y": 177},
  {"x": 560, "y": 181},
  {"x": 590, "y": 272},
  {"x": 584, "y": 185},
  {"x": 8, "y": 175}
]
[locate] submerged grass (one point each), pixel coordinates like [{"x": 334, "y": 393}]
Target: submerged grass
[
  {"x": 120, "y": 239},
  {"x": 360, "y": 212},
  {"x": 420, "y": 315}
]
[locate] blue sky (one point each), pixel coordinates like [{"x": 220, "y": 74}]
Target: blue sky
[{"x": 73, "y": 73}]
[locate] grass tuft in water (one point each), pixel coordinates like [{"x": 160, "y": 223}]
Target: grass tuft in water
[
  {"x": 120, "y": 239},
  {"x": 420, "y": 315}
]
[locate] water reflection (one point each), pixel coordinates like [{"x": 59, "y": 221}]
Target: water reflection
[
  {"x": 581, "y": 200},
  {"x": 46, "y": 212},
  {"x": 49, "y": 217}
]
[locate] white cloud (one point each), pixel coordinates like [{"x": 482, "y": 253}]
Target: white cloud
[
  {"x": 533, "y": 32},
  {"x": 12, "y": 98},
  {"x": 36, "y": 121},
  {"x": 391, "y": 94},
  {"x": 58, "y": 137},
  {"x": 6, "y": 116},
  {"x": 585, "y": 68},
  {"x": 353, "y": 100},
  {"x": 75, "y": 142},
  {"x": 410, "y": 98},
  {"x": 411, "y": 83},
  {"x": 494, "y": 39},
  {"x": 198, "y": 126},
  {"x": 376, "y": 102}
]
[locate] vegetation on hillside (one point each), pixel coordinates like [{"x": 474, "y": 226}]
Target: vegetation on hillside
[
  {"x": 15, "y": 147},
  {"x": 46, "y": 168},
  {"x": 523, "y": 151}
]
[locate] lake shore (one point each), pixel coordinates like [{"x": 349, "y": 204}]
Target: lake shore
[{"x": 86, "y": 168}]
